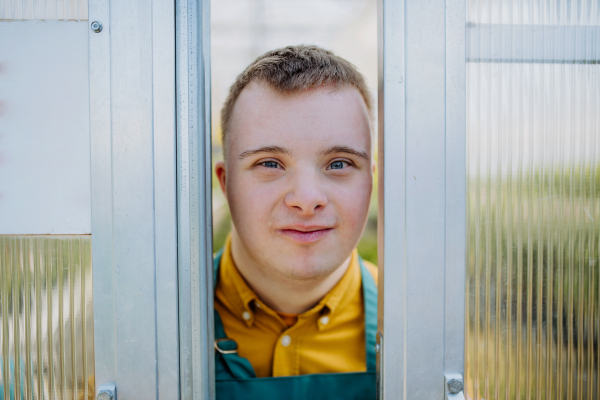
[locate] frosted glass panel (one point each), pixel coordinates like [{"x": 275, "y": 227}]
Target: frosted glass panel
[
  {"x": 47, "y": 321},
  {"x": 44, "y": 128},
  {"x": 44, "y": 9},
  {"x": 533, "y": 129}
]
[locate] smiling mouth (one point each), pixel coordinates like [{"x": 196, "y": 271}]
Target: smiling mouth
[{"x": 305, "y": 236}]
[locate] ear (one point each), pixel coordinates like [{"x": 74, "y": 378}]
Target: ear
[
  {"x": 221, "y": 176},
  {"x": 374, "y": 166}
]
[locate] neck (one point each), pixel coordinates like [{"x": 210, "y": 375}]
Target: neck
[{"x": 281, "y": 293}]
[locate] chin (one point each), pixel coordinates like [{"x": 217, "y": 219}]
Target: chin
[
  {"x": 305, "y": 274},
  {"x": 314, "y": 266}
]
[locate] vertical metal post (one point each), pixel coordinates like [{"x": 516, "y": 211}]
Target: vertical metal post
[
  {"x": 392, "y": 201},
  {"x": 423, "y": 195},
  {"x": 194, "y": 190},
  {"x": 456, "y": 188},
  {"x": 134, "y": 234},
  {"x": 101, "y": 182},
  {"x": 165, "y": 197}
]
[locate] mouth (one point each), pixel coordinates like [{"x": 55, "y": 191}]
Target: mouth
[{"x": 305, "y": 235}]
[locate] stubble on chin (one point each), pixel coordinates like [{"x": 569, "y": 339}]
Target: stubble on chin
[{"x": 302, "y": 268}]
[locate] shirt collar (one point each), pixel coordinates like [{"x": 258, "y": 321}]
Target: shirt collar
[{"x": 235, "y": 288}]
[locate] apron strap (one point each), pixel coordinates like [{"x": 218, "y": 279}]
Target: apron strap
[
  {"x": 216, "y": 263},
  {"x": 370, "y": 304},
  {"x": 219, "y": 330},
  {"x": 234, "y": 366}
]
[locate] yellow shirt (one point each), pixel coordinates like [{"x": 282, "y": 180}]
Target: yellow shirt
[{"x": 328, "y": 338}]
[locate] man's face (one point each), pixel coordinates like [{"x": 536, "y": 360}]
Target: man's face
[{"x": 298, "y": 177}]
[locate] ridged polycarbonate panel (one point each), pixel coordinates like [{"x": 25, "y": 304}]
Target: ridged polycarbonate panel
[
  {"x": 46, "y": 314},
  {"x": 44, "y": 9},
  {"x": 533, "y": 129}
]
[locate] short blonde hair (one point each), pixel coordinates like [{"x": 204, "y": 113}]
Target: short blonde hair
[{"x": 293, "y": 69}]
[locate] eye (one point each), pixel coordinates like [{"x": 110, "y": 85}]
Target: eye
[
  {"x": 270, "y": 164},
  {"x": 338, "y": 164}
]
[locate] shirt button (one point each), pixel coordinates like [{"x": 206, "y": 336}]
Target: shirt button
[
  {"x": 324, "y": 320},
  {"x": 246, "y": 315},
  {"x": 286, "y": 340}
]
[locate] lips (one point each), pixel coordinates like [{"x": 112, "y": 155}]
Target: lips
[{"x": 305, "y": 234}]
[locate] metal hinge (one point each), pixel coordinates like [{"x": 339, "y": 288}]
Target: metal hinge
[{"x": 454, "y": 387}]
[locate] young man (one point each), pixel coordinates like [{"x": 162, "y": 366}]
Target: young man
[{"x": 292, "y": 298}]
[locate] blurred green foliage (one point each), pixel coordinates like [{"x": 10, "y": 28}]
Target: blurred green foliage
[{"x": 533, "y": 283}]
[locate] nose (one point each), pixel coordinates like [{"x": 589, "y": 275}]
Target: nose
[{"x": 306, "y": 196}]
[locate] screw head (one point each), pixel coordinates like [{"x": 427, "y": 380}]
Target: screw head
[
  {"x": 105, "y": 395},
  {"x": 96, "y": 27},
  {"x": 455, "y": 386}
]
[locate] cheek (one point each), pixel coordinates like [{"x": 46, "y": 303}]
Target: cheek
[
  {"x": 251, "y": 203},
  {"x": 353, "y": 203}
]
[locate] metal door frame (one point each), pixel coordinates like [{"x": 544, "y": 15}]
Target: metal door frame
[
  {"x": 151, "y": 197},
  {"x": 422, "y": 198},
  {"x": 133, "y": 171},
  {"x": 194, "y": 200}
]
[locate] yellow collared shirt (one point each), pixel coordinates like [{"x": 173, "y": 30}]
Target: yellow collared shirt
[{"x": 328, "y": 338}]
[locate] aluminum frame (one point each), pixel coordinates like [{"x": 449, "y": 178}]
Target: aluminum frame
[
  {"x": 134, "y": 232},
  {"x": 455, "y": 188},
  {"x": 194, "y": 198},
  {"x": 136, "y": 277},
  {"x": 422, "y": 210}
]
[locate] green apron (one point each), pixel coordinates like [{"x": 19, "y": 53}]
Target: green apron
[{"x": 236, "y": 379}]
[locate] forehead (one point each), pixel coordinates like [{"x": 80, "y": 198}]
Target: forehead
[{"x": 319, "y": 116}]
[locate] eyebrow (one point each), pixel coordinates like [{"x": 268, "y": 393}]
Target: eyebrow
[
  {"x": 346, "y": 149},
  {"x": 265, "y": 149}
]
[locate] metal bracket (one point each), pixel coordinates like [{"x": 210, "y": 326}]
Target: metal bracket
[
  {"x": 454, "y": 387},
  {"x": 107, "y": 392}
]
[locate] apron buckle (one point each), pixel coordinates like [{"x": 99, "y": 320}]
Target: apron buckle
[{"x": 224, "y": 351}]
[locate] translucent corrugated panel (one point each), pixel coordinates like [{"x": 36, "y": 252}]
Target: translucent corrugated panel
[
  {"x": 533, "y": 128},
  {"x": 46, "y": 315},
  {"x": 44, "y": 9}
]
